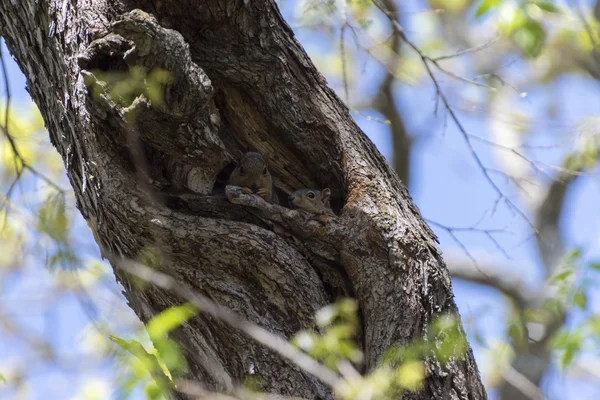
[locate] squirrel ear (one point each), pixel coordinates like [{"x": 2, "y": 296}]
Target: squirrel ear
[{"x": 325, "y": 194}]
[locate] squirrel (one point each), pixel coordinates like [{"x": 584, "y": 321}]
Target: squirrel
[
  {"x": 253, "y": 175},
  {"x": 312, "y": 200}
]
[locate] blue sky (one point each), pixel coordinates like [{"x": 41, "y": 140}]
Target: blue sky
[{"x": 446, "y": 185}]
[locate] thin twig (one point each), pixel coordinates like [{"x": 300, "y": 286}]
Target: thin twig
[
  {"x": 498, "y": 246},
  {"x": 466, "y": 228},
  {"x": 510, "y": 149},
  {"x": 473, "y": 49},
  {"x": 487, "y": 232},
  {"x": 460, "y": 78},
  {"x": 502, "y": 81},
  {"x": 460, "y": 244}
]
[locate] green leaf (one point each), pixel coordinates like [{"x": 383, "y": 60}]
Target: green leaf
[
  {"x": 485, "y": 6},
  {"x": 410, "y": 375},
  {"x": 580, "y": 299},
  {"x": 516, "y": 334},
  {"x": 560, "y": 340},
  {"x": 595, "y": 265},
  {"x": 547, "y": 6},
  {"x": 594, "y": 325},
  {"x": 154, "y": 392},
  {"x": 169, "y": 357},
  {"x": 64, "y": 256},
  {"x": 52, "y": 218},
  {"x": 561, "y": 276},
  {"x": 169, "y": 319},
  {"x": 567, "y": 357},
  {"x": 569, "y": 353},
  {"x": 530, "y": 36},
  {"x": 330, "y": 7},
  {"x": 132, "y": 347},
  {"x": 149, "y": 359},
  {"x": 479, "y": 339},
  {"x": 365, "y": 23},
  {"x": 569, "y": 343},
  {"x": 572, "y": 162},
  {"x": 554, "y": 308},
  {"x": 589, "y": 157},
  {"x": 575, "y": 254}
]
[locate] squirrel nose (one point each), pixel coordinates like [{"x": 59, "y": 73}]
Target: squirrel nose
[
  {"x": 291, "y": 198},
  {"x": 254, "y": 188}
]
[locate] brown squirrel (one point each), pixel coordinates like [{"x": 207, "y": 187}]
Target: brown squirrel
[
  {"x": 253, "y": 175},
  {"x": 312, "y": 200}
]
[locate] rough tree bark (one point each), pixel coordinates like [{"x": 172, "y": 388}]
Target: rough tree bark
[{"x": 240, "y": 81}]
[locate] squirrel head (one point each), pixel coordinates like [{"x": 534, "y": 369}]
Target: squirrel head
[
  {"x": 251, "y": 171},
  {"x": 252, "y": 163},
  {"x": 312, "y": 200}
]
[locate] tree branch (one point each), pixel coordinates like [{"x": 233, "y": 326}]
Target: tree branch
[{"x": 495, "y": 276}]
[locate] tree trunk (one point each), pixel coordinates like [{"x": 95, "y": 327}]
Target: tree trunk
[{"x": 239, "y": 82}]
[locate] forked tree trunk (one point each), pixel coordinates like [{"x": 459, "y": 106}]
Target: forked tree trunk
[{"x": 239, "y": 81}]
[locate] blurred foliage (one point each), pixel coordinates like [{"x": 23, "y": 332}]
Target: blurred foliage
[
  {"x": 162, "y": 361},
  {"x": 334, "y": 343},
  {"x": 520, "y": 23},
  {"x": 336, "y": 339},
  {"x": 574, "y": 284},
  {"x": 40, "y": 227},
  {"x": 124, "y": 87},
  {"x": 21, "y": 125}
]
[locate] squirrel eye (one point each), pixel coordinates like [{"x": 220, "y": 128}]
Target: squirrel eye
[
  {"x": 265, "y": 171},
  {"x": 310, "y": 195},
  {"x": 242, "y": 170}
]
